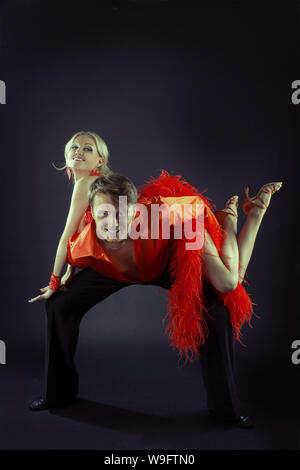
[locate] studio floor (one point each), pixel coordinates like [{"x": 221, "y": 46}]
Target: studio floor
[{"x": 145, "y": 402}]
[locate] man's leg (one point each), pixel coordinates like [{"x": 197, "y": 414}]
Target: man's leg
[
  {"x": 65, "y": 310},
  {"x": 217, "y": 354},
  {"x": 217, "y": 360}
]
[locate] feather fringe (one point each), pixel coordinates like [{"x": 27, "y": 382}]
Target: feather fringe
[{"x": 186, "y": 327}]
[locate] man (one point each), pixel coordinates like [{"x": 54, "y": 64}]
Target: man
[{"x": 115, "y": 251}]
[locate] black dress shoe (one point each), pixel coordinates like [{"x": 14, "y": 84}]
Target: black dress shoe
[
  {"x": 241, "y": 422},
  {"x": 41, "y": 404},
  {"x": 244, "y": 422}
]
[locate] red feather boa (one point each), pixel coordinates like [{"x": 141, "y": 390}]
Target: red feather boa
[{"x": 187, "y": 328}]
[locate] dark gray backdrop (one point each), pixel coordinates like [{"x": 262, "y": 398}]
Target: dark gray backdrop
[{"x": 202, "y": 90}]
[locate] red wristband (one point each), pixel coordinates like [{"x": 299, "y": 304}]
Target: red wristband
[{"x": 54, "y": 282}]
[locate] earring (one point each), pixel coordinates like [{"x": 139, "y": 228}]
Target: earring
[{"x": 69, "y": 172}]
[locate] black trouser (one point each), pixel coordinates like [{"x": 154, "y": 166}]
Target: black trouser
[{"x": 65, "y": 310}]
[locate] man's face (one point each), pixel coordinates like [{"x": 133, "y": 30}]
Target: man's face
[{"x": 112, "y": 219}]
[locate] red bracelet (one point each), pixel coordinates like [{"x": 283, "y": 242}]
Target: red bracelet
[{"x": 54, "y": 282}]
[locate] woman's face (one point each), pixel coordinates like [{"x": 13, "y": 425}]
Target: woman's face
[{"x": 83, "y": 154}]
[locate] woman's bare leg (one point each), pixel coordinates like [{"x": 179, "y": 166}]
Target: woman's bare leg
[
  {"x": 222, "y": 270},
  {"x": 246, "y": 240},
  {"x": 250, "y": 228},
  {"x": 230, "y": 250}
]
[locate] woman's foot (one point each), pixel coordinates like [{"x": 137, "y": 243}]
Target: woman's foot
[
  {"x": 229, "y": 210},
  {"x": 259, "y": 203}
]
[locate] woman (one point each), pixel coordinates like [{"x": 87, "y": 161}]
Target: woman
[{"x": 86, "y": 156}]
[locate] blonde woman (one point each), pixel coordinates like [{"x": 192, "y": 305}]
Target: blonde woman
[{"x": 86, "y": 156}]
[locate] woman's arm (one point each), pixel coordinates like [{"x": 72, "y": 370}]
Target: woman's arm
[
  {"x": 81, "y": 225},
  {"x": 78, "y": 206}
]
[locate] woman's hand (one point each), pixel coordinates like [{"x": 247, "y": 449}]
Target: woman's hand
[
  {"x": 47, "y": 292},
  {"x": 67, "y": 276}
]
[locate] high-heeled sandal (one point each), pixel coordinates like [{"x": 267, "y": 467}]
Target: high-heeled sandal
[
  {"x": 248, "y": 203},
  {"x": 220, "y": 215}
]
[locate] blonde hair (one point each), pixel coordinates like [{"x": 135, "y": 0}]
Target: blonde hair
[{"x": 100, "y": 145}]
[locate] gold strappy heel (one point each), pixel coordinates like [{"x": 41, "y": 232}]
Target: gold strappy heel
[
  {"x": 248, "y": 203},
  {"x": 220, "y": 215}
]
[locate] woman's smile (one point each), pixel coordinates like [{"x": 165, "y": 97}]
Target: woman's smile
[{"x": 78, "y": 159}]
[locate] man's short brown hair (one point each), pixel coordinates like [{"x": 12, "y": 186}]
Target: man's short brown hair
[{"x": 115, "y": 185}]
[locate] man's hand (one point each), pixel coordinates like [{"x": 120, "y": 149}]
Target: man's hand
[{"x": 46, "y": 295}]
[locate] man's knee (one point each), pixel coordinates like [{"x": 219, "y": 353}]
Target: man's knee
[{"x": 57, "y": 304}]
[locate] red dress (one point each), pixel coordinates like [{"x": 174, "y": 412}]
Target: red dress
[
  {"x": 88, "y": 215},
  {"x": 186, "y": 328}
]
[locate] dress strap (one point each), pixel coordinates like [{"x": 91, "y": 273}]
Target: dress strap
[
  {"x": 95, "y": 173},
  {"x": 88, "y": 215}
]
